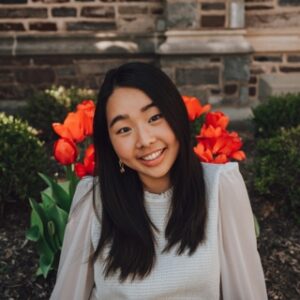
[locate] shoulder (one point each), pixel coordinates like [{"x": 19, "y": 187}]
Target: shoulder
[
  {"x": 212, "y": 172},
  {"x": 83, "y": 194}
]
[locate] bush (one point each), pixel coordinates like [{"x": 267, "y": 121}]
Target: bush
[
  {"x": 22, "y": 155},
  {"x": 44, "y": 108},
  {"x": 278, "y": 112},
  {"x": 277, "y": 169}
]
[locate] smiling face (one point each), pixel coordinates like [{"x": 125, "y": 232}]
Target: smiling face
[{"x": 141, "y": 137}]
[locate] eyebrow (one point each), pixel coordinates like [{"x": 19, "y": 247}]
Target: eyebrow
[{"x": 123, "y": 117}]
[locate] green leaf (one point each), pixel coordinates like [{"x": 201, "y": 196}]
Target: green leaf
[
  {"x": 39, "y": 218},
  {"x": 36, "y": 216},
  {"x": 61, "y": 197},
  {"x": 60, "y": 219},
  {"x": 45, "y": 263},
  {"x": 47, "y": 200},
  {"x": 51, "y": 228},
  {"x": 33, "y": 233}
]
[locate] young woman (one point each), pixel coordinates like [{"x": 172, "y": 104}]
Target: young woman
[{"x": 155, "y": 223}]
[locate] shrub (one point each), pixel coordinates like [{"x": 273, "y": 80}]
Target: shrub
[
  {"x": 277, "y": 169},
  {"x": 22, "y": 155},
  {"x": 49, "y": 106},
  {"x": 278, "y": 112}
]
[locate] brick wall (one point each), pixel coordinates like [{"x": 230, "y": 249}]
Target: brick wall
[
  {"x": 271, "y": 63},
  {"x": 61, "y": 16},
  {"x": 207, "y": 51},
  {"x": 198, "y": 14},
  {"x": 272, "y": 13}
]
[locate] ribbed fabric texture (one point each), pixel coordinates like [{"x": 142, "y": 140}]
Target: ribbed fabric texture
[{"x": 173, "y": 277}]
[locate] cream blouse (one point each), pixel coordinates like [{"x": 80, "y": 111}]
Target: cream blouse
[{"x": 228, "y": 260}]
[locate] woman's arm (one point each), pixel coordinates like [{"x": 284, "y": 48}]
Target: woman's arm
[
  {"x": 242, "y": 276},
  {"x": 75, "y": 272}
]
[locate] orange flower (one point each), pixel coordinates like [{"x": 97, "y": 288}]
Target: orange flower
[
  {"x": 88, "y": 166},
  {"x": 204, "y": 154},
  {"x": 88, "y": 107},
  {"x": 194, "y": 107},
  {"x": 73, "y": 127},
  {"x": 216, "y": 119},
  {"x": 65, "y": 151},
  {"x": 208, "y": 131},
  {"x": 220, "y": 148}
]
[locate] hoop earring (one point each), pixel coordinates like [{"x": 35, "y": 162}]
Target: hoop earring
[{"x": 121, "y": 165}]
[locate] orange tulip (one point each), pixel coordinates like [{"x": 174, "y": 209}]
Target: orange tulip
[
  {"x": 239, "y": 155},
  {"x": 65, "y": 151},
  {"x": 204, "y": 154},
  {"x": 194, "y": 107},
  {"x": 88, "y": 107},
  {"x": 216, "y": 119},
  {"x": 73, "y": 127},
  {"x": 220, "y": 148},
  {"x": 208, "y": 131}
]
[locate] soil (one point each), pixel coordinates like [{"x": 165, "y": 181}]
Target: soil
[{"x": 278, "y": 245}]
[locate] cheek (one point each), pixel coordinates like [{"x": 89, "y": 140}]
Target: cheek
[{"x": 122, "y": 147}]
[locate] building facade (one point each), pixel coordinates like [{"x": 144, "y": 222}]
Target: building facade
[{"x": 230, "y": 53}]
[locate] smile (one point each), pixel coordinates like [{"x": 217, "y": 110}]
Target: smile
[{"x": 153, "y": 155}]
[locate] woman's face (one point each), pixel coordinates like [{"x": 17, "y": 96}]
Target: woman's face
[{"x": 141, "y": 137}]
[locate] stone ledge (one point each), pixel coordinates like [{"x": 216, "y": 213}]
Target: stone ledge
[
  {"x": 205, "y": 42},
  {"x": 105, "y": 44},
  {"x": 274, "y": 41},
  {"x": 278, "y": 84}
]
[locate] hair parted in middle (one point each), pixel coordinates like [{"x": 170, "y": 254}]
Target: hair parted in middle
[{"x": 125, "y": 225}]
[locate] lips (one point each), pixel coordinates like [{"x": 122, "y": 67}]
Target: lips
[
  {"x": 152, "y": 155},
  {"x": 154, "y": 158}
]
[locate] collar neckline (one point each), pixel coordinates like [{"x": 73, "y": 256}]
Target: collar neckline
[{"x": 161, "y": 197}]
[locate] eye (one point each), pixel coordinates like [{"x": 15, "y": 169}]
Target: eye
[
  {"x": 155, "y": 118},
  {"x": 123, "y": 130}
]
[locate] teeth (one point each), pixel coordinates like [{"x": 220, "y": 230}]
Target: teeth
[{"x": 152, "y": 155}]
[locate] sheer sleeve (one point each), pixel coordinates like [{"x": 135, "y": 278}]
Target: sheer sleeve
[
  {"x": 75, "y": 272},
  {"x": 242, "y": 276}
]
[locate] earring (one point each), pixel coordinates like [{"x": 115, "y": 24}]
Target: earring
[{"x": 122, "y": 169}]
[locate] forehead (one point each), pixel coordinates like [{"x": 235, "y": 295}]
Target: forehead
[{"x": 126, "y": 100}]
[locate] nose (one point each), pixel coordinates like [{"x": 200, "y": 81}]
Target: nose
[{"x": 144, "y": 137}]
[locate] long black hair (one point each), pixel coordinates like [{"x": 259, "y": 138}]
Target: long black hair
[{"x": 126, "y": 228}]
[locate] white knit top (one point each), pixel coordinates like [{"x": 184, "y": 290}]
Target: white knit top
[
  {"x": 228, "y": 258},
  {"x": 173, "y": 277}
]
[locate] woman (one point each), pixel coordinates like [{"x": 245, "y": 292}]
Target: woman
[{"x": 155, "y": 223}]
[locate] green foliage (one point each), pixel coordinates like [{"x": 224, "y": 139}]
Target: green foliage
[
  {"x": 22, "y": 155},
  {"x": 277, "y": 169},
  {"x": 49, "y": 219},
  {"x": 278, "y": 112},
  {"x": 52, "y": 105}
]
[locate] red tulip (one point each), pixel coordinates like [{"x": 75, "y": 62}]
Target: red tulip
[
  {"x": 65, "y": 151},
  {"x": 88, "y": 166},
  {"x": 194, "y": 107},
  {"x": 80, "y": 170}
]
